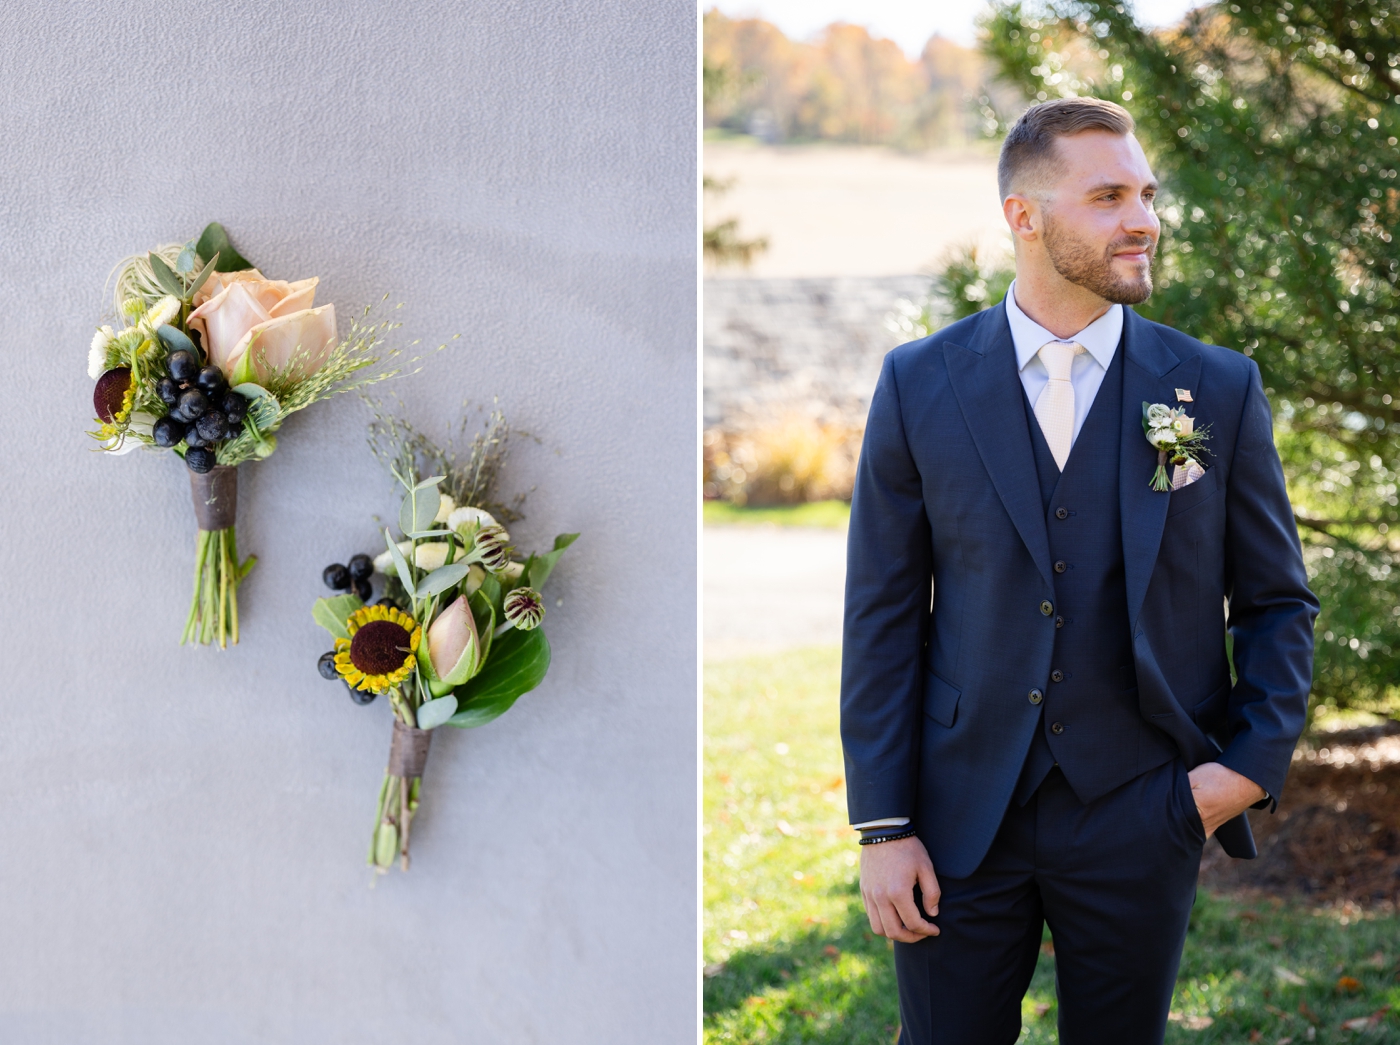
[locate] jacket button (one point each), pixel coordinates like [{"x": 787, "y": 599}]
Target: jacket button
[
  {"x": 1060, "y": 566},
  {"x": 1057, "y": 676},
  {"x": 1046, "y": 608},
  {"x": 1035, "y": 696},
  {"x": 1061, "y": 513},
  {"x": 1059, "y": 622},
  {"x": 1056, "y": 728}
]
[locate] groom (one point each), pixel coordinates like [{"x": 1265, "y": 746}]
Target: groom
[{"x": 1041, "y": 721}]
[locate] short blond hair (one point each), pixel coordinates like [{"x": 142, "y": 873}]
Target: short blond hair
[{"x": 1030, "y": 144}]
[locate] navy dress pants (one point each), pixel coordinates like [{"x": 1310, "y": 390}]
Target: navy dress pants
[{"x": 1114, "y": 879}]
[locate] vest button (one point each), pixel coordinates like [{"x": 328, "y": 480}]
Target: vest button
[
  {"x": 1035, "y": 696},
  {"x": 1061, "y": 513},
  {"x": 1059, "y": 622},
  {"x": 1060, "y": 566},
  {"x": 1056, "y": 728},
  {"x": 1046, "y": 608},
  {"x": 1057, "y": 676}
]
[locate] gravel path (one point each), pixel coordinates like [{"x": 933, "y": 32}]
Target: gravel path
[{"x": 768, "y": 588}]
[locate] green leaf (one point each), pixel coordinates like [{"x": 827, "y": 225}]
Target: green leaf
[
  {"x": 401, "y": 564},
  {"x": 441, "y": 579},
  {"x": 424, "y": 534},
  {"x": 485, "y": 616},
  {"x": 203, "y": 277},
  {"x": 214, "y": 240},
  {"x": 492, "y": 592},
  {"x": 420, "y": 507},
  {"x": 518, "y": 663},
  {"x": 435, "y": 712},
  {"x": 165, "y": 277},
  {"x": 176, "y": 340},
  {"x": 541, "y": 566},
  {"x": 332, "y": 613},
  {"x": 184, "y": 263}
]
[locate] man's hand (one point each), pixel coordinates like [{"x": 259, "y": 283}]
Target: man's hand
[
  {"x": 888, "y": 874},
  {"x": 1221, "y": 794}
]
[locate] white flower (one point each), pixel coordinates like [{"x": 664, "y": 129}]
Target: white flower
[
  {"x": 475, "y": 575},
  {"x": 446, "y": 506},
  {"x": 138, "y": 425},
  {"x": 1159, "y": 415},
  {"x": 162, "y": 312},
  {"x": 97, "y": 355},
  {"x": 384, "y": 561},
  {"x": 468, "y": 516},
  {"x": 1161, "y": 437},
  {"x": 431, "y": 555}
]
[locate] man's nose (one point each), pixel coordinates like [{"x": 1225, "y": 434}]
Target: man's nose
[{"x": 1141, "y": 220}]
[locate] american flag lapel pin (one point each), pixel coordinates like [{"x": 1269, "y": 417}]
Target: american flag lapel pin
[{"x": 1183, "y": 395}]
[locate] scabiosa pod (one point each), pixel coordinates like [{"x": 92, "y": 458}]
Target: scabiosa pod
[
  {"x": 492, "y": 549},
  {"x": 523, "y": 608}
]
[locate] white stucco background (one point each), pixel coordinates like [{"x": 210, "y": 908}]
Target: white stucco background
[{"x": 184, "y": 830}]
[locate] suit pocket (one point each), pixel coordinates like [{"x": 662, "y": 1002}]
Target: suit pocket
[
  {"x": 1189, "y": 496},
  {"x": 1186, "y": 799},
  {"x": 941, "y": 700}
]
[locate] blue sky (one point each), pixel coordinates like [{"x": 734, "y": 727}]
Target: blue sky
[{"x": 908, "y": 23}]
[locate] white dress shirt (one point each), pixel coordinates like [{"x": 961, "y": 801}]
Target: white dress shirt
[{"x": 1100, "y": 340}]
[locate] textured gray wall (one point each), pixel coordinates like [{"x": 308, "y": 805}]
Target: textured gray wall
[{"x": 185, "y": 830}]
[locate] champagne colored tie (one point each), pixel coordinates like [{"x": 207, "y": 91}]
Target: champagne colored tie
[{"x": 1054, "y": 407}]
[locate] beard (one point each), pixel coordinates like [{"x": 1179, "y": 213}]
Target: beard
[{"x": 1079, "y": 263}]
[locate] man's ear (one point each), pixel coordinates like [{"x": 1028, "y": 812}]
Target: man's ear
[{"x": 1023, "y": 217}]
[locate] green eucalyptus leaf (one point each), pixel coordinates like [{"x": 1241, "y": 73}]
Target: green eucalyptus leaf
[
  {"x": 332, "y": 613},
  {"x": 517, "y": 664},
  {"x": 165, "y": 277},
  {"x": 176, "y": 340},
  {"x": 435, "y": 712},
  {"x": 252, "y": 390},
  {"x": 442, "y": 578},
  {"x": 541, "y": 566},
  {"x": 424, "y": 534},
  {"x": 420, "y": 507},
  {"x": 203, "y": 277},
  {"x": 184, "y": 263},
  {"x": 214, "y": 240},
  {"x": 401, "y": 564},
  {"x": 432, "y": 480}
]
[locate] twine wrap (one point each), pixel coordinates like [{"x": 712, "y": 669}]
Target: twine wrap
[
  {"x": 408, "y": 753},
  {"x": 215, "y": 495}
]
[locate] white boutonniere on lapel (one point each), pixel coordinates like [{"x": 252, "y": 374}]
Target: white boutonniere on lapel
[{"x": 1174, "y": 435}]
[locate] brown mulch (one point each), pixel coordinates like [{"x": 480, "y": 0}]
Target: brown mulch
[{"x": 1336, "y": 834}]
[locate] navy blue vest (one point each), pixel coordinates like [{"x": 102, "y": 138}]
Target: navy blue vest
[{"x": 1090, "y": 723}]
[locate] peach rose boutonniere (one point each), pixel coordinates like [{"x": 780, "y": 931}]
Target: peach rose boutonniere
[{"x": 255, "y": 329}]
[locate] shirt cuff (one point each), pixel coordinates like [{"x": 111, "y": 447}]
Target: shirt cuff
[{"x": 889, "y": 821}]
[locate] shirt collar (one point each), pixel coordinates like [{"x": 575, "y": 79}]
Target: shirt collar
[{"x": 1100, "y": 338}]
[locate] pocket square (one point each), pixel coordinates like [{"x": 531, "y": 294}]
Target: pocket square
[{"x": 1186, "y": 476}]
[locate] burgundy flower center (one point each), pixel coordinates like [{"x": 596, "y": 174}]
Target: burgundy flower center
[
  {"x": 110, "y": 391},
  {"x": 379, "y": 647}
]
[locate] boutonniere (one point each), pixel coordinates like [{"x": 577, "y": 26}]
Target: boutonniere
[{"x": 1176, "y": 438}]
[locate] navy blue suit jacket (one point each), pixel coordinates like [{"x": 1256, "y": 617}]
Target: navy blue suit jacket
[{"x": 948, "y": 562}]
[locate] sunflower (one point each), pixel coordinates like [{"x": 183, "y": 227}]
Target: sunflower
[{"x": 380, "y": 652}]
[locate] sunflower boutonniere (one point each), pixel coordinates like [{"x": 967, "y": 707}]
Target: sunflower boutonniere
[{"x": 1176, "y": 438}]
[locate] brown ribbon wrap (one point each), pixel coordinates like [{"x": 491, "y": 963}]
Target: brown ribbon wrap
[
  {"x": 215, "y": 495},
  {"x": 408, "y": 753}
]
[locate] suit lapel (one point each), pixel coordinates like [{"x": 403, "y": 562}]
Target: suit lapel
[
  {"x": 988, "y": 389},
  {"x": 1151, "y": 374}
]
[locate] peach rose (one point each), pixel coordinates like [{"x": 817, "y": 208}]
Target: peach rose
[{"x": 252, "y": 327}]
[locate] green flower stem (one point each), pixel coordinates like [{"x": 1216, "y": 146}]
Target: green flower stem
[{"x": 213, "y": 615}]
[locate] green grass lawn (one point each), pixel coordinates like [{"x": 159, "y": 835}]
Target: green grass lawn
[
  {"x": 790, "y": 957},
  {"x": 826, "y": 515}
]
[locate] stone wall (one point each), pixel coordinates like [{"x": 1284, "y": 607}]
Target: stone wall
[{"x": 814, "y": 346}]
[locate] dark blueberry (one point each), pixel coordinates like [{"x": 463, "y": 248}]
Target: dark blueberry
[
  {"x": 167, "y": 431},
  {"x": 192, "y": 404},
  {"x": 361, "y": 566},
  {"x": 211, "y": 380},
  {"x": 326, "y": 666},
  {"x": 364, "y": 589},
  {"x": 360, "y": 698},
  {"x": 199, "y": 459},
  {"x": 212, "y": 426},
  {"x": 183, "y": 366},
  {"x": 193, "y": 438},
  {"x": 168, "y": 391},
  {"x": 336, "y": 576},
  {"x": 235, "y": 408}
]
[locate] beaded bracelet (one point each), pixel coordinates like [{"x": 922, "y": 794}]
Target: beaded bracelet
[{"x": 877, "y": 839}]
